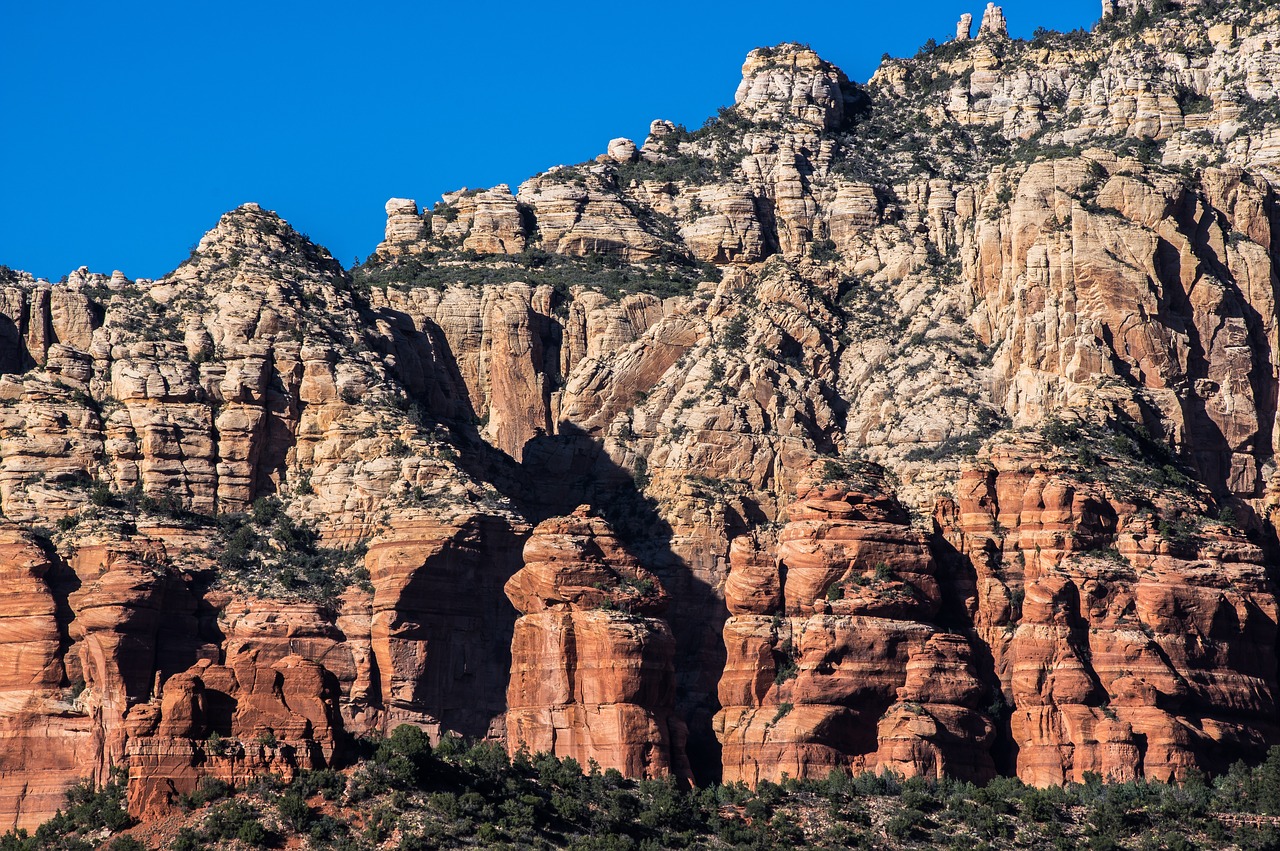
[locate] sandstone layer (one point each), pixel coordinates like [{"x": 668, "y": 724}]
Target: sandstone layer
[
  {"x": 937, "y": 416},
  {"x": 592, "y": 674},
  {"x": 833, "y": 659}
]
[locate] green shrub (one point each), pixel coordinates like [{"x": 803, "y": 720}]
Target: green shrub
[
  {"x": 186, "y": 840},
  {"x": 906, "y": 825},
  {"x": 664, "y": 277},
  {"x": 786, "y": 665},
  {"x": 227, "y": 820},
  {"x": 476, "y": 797},
  {"x": 405, "y": 755},
  {"x": 253, "y": 834},
  {"x": 328, "y": 782},
  {"x": 208, "y": 790},
  {"x": 734, "y": 336},
  {"x": 1192, "y": 102},
  {"x": 824, "y": 251},
  {"x": 1038, "y": 806},
  {"x": 267, "y": 551},
  {"x": 294, "y": 811},
  {"x": 1059, "y": 433}
]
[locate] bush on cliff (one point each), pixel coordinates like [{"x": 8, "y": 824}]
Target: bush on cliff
[
  {"x": 268, "y": 552},
  {"x": 89, "y": 809}
]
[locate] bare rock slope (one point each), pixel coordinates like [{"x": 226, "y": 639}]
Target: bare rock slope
[{"x": 926, "y": 425}]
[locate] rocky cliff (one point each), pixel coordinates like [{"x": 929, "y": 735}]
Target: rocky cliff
[
  {"x": 592, "y": 673},
  {"x": 927, "y": 424}
]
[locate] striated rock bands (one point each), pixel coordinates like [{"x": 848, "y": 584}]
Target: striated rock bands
[
  {"x": 592, "y": 674},
  {"x": 1123, "y": 652},
  {"x": 833, "y": 659},
  {"x": 924, "y": 425}
]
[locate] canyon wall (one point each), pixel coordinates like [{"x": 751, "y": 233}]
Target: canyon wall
[{"x": 926, "y": 425}]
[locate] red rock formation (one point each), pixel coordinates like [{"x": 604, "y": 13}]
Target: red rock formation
[
  {"x": 830, "y": 648},
  {"x": 934, "y": 728},
  {"x": 45, "y": 730},
  {"x": 1123, "y": 651},
  {"x": 436, "y": 424},
  {"x": 88, "y": 641},
  {"x": 591, "y": 664},
  {"x": 134, "y": 626},
  {"x": 440, "y": 630},
  {"x": 234, "y": 722}
]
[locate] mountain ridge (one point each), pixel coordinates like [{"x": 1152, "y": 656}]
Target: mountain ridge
[{"x": 938, "y": 413}]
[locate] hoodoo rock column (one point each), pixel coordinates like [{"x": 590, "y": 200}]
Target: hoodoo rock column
[
  {"x": 833, "y": 661},
  {"x": 592, "y": 675}
]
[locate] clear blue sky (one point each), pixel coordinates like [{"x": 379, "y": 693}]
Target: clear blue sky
[{"x": 130, "y": 127}]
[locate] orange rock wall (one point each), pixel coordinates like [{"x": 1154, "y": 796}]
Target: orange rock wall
[
  {"x": 1120, "y": 651},
  {"x": 834, "y": 659},
  {"x": 592, "y": 674}
]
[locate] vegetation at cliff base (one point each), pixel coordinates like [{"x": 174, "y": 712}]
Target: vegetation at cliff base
[{"x": 405, "y": 795}]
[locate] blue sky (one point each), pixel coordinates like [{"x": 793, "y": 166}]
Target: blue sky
[{"x": 130, "y": 127}]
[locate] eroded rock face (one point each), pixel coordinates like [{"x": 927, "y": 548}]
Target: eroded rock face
[
  {"x": 832, "y": 658},
  {"x": 406, "y": 230},
  {"x": 1123, "y": 651},
  {"x": 623, "y": 150},
  {"x": 789, "y": 83},
  {"x": 487, "y": 222},
  {"x": 587, "y": 216},
  {"x": 232, "y": 380},
  {"x": 591, "y": 662},
  {"x": 45, "y": 728},
  {"x": 440, "y": 631},
  {"x": 984, "y": 246},
  {"x": 233, "y": 722},
  {"x": 993, "y": 22}
]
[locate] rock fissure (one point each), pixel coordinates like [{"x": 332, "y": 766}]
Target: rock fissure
[{"x": 925, "y": 425}]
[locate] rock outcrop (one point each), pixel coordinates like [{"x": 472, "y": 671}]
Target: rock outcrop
[
  {"x": 440, "y": 631},
  {"x": 584, "y": 215},
  {"x": 235, "y": 723},
  {"x": 592, "y": 674},
  {"x": 623, "y": 150},
  {"x": 406, "y": 231},
  {"x": 1123, "y": 648},
  {"x": 993, "y": 23},
  {"x": 45, "y": 729},
  {"x": 925, "y": 425},
  {"x": 790, "y": 83},
  {"x": 487, "y": 221},
  {"x": 833, "y": 661}
]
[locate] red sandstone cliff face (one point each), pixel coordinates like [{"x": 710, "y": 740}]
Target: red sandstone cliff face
[
  {"x": 833, "y": 659},
  {"x": 297, "y": 679},
  {"x": 86, "y": 641},
  {"x": 233, "y": 722},
  {"x": 139, "y": 636},
  {"x": 440, "y": 631},
  {"x": 592, "y": 674},
  {"x": 1123, "y": 649},
  {"x": 1051, "y": 620},
  {"x": 45, "y": 730}
]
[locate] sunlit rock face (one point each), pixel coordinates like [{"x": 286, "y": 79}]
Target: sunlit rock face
[
  {"x": 592, "y": 661},
  {"x": 925, "y": 425},
  {"x": 834, "y": 660}
]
